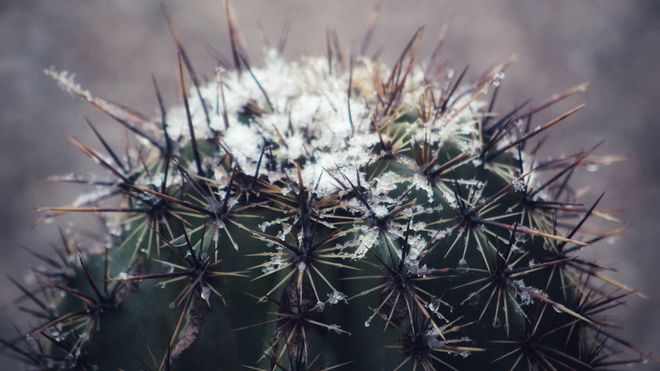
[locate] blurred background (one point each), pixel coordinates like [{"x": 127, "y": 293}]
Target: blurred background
[{"x": 114, "y": 46}]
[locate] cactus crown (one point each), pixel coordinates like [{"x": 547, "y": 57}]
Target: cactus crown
[{"x": 320, "y": 214}]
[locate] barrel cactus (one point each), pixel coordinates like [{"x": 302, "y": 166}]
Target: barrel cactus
[{"x": 327, "y": 213}]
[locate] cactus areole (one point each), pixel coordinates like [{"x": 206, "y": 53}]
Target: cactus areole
[{"x": 325, "y": 213}]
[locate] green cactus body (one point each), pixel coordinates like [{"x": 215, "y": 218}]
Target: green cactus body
[{"x": 305, "y": 216}]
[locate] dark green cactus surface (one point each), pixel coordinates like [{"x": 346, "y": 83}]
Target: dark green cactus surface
[{"x": 321, "y": 214}]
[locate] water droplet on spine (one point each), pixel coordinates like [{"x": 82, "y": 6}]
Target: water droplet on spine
[
  {"x": 462, "y": 266},
  {"x": 473, "y": 299},
  {"x": 367, "y": 323},
  {"x": 319, "y": 306},
  {"x": 206, "y": 294},
  {"x": 434, "y": 305}
]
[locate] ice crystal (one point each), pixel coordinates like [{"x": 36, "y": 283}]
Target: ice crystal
[{"x": 336, "y": 296}]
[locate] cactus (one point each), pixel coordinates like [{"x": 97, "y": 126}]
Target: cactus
[{"x": 324, "y": 214}]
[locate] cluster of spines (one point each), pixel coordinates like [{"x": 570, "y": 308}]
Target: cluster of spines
[{"x": 161, "y": 215}]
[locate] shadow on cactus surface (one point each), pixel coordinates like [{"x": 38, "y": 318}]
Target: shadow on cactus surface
[{"x": 327, "y": 213}]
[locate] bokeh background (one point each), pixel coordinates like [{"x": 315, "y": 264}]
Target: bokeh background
[{"x": 113, "y": 46}]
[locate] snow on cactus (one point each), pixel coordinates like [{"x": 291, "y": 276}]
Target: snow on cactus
[{"x": 327, "y": 213}]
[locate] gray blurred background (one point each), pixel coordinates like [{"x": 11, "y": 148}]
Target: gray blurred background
[{"x": 113, "y": 46}]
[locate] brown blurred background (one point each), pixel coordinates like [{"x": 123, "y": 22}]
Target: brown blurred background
[{"x": 113, "y": 46}]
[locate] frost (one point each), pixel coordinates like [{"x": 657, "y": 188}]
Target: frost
[
  {"x": 434, "y": 342},
  {"x": 66, "y": 81},
  {"x": 92, "y": 197},
  {"x": 337, "y": 296},
  {"x": 525, "y": 293},
  {"x": 417, "y": 245},
  {"x": 521, "y": 237},
  {"x": 335, "y": 328},
  {"x": 380, "y": 211},
  {"x": 387, "y": 182},
  {"x": 274, "y": 263},
  {"x": 519, "y": 185},
  {"x": 497, "y": 79},
  {"x": 365, "y": 241},
  {"x": 309, "y": 111},
  {"x": 418, "y": 226},
  {"x": 413, "y": 268},
  {"x": 305, "y": 114},
  {"x": 235, "y": 137},
  {"x": 309, "y": 119}
]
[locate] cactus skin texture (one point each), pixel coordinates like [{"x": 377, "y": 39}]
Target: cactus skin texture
[{"x": 318, "y": 214}]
